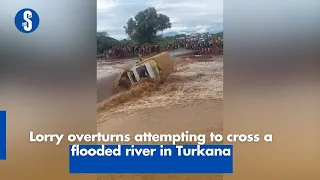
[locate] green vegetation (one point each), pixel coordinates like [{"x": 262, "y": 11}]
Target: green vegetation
[
  {"x": 164, "y": 40},
  {"x": 104, "y": 41},
  {"x": 218, "y": 35}
]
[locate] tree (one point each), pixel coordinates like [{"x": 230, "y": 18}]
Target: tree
[
  {"x": 104, "y": 42},
  {"x": 144, "y": 26}
]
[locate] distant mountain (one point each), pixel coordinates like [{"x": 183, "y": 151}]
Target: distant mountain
[
  {"x": 170, "y": 34},
  {"x": 214, "y": 32}
]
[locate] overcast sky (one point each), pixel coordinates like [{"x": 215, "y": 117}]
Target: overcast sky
[{"x": 185, "y": 15}]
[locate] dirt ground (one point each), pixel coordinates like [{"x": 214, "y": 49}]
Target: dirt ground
[{"x": 190, "y": 99}]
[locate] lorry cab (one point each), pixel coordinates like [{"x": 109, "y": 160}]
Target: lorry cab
[
  {"x": 157, "y": 68},
  {"x": 148, "y": 69}
]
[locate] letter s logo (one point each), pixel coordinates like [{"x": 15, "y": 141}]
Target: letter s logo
[
  {"x": 27, "y": 20},
  {"x": 27, "y": 15}
]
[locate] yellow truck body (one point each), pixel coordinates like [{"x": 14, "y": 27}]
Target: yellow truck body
[{"x": 157, "y": 67}]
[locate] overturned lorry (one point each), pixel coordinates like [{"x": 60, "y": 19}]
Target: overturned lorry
[{"x": 156, "y": 68}]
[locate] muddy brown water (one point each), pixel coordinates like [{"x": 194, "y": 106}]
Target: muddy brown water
[{"x": 106, "y": 85}]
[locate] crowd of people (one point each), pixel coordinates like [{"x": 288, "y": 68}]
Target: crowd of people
[
  {"x": 206, "y": 46},
  {"x": 129, "y": 50}
]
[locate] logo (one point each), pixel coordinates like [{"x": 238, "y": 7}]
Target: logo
[
  {"x": 27, "y": 20},
  {"x": 3, "y": 134}
]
